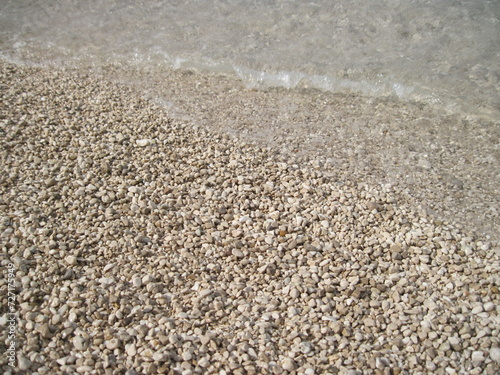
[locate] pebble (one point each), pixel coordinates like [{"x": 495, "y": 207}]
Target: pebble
[
  {"x": 477, "y": 356},
  {"x": 160, "y": 357},
  {"x": 489, "y": 306},
  {"x": 455, "y": 343},
  {"x": 143, "y": 142},
  {"x": 137, "y": 282},
  {"x": 495, "y": 354},
  {"x": 130, "y": 349},
  {"x": 477, "y": 309},
  {"x": 206, "y": 253},
  {"x": 113, "y": 344},
  {"x": 24, "y": 363},
  {"x": 288, "y": 364},
  {"x": 237, "y": 253},
  {"x": 71, "y": 260},
  {"x": 80, "y": 343},
  {"x": 205, "y": 292},
  {"x": 84, "y": 369}
]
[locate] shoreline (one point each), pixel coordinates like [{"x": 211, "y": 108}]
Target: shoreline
[
  {"x": 445, "y": 163},
  {"x": 142, "y": 239}
]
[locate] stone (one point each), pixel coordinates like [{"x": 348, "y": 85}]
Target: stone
[
  {"x": 80, "y": 343},
  {"x": 137, "y": 282},
  {"x": 24, "y": 363},
  {"x": 84, "y": 369},
  {"x": 478, "y": 309},
  {"x": 174, "y": 247},
  {"x": 288, "y": 364},
  {"x": 477, "y": 356},
  {"x": 237, "y": 253},
  {"x": 205, "y": 293},
  {"x": 71, "y": 260},
  {"x": 50, "y": 182},
  {"x": 143, "y": 142},
  {"x": 495, "y": 354},
  {"x": 160, "y": 357},
  {"x": 455, "y": 343},
  {"x": 130, "y": 349},
  {"x": 489, "y": 306},
  {"x": 113, "y": 344}
]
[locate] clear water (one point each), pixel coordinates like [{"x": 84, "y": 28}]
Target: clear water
[{"x": 445, "y": 52}]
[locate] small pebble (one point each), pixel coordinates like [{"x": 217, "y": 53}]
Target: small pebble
[
  {"x": 24, "y": 363},
  {"x": 71, "y": 260},
  {"x": 237, "y": 253},
  {"x": 288, "y": 364},
  {"x": 477, "y": 356},
  {"x": 495, "y": 354}
]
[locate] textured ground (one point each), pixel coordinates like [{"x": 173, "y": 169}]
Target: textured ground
[
  {"x": 445, "y": 163},
  {"x": 141, "y": 243}
]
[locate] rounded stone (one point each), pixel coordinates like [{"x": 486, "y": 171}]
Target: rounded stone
[
  {"x": 113, "y": 344},
  {"x": 80, "y": 343},
  {"x": 489, "y": 306},
  {"x": 71, "y": 260},
  {"x": 288, "y": 364},
  {"x": 495, "y": 354}
]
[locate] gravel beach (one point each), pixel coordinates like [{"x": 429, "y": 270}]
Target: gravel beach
[{"x": 137, "y": 242}]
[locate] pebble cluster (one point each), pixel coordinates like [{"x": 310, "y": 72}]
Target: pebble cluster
[
  {"x": 443, "y": 160},
  {"x": 144, "y": 245}
]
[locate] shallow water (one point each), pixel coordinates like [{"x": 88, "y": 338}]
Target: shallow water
[{"x": 445, "y": 53}]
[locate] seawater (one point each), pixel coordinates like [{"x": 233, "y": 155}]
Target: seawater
[{"x": 441, "y": 52}]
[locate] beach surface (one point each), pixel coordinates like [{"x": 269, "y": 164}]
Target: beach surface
[{"x": 196, "y": 226}]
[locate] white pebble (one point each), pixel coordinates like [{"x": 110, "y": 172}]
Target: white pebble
[
  {"x": 489, "y": 306},
  {"x": 477, "y": 356},
  {"x": 237, "y": 253},
  {"x": 79, "y": 343},
  {"x": 71, "y": 260},
  {"x": 137, "y": 282},
  {"x": 288, "y": 364},
  {"x": 495, "y": 354},
  {"x": 143, "y": 142},
  {"x": 113, "y": 344},
  {"x": 477, "y": 309}
]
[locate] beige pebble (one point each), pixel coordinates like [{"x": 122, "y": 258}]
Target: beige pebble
[
  {"x": 130, "y": 349},
  {"x": 489, "y": 306},
  {"x": 24, "y": 363},
  {"x": 288, "y": 364},
  {"x": 495, "y": 354},
  {"x": 237, "y": 253},
  {"x": 477, "y": 356},
  {"x": 113, "y": 344},
  {"x": 143, "y": 142},
  {"x": 80, "y": 343},
  {"x": 71, "y": 260}
]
